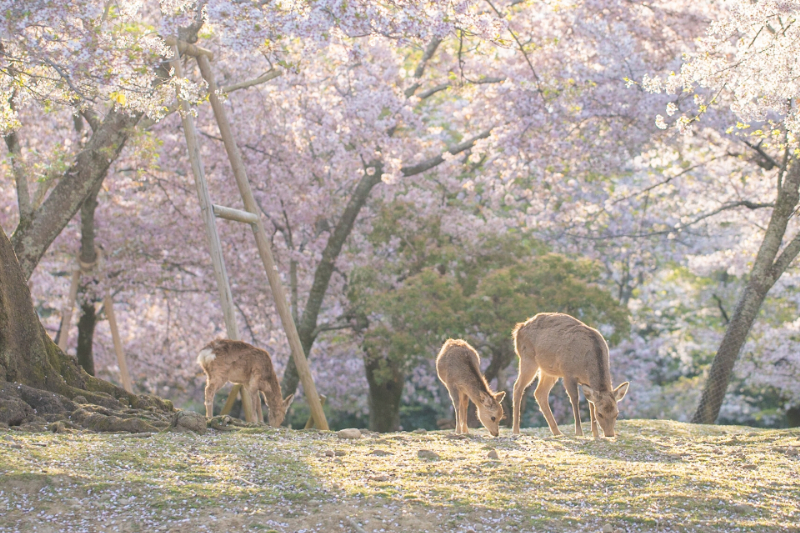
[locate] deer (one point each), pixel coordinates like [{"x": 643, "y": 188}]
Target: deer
[
  {"x": 458, "y": 366},
  {"x": 225, "y": 360},
  {"x": 556, "y": 345}
]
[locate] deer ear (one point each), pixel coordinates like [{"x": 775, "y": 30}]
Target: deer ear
[
  {"x": 499, "y": 396},
  {"x": 589, "y": 393},
  {"x": 485, "y": 399},
  {"x": 621, "y": 391},
  {"x": 288, "y": 401}
]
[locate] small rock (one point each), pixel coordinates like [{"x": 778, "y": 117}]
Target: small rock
[
  {"x": 608, "y": 528},
  {"x": 57, "y": 427},
  {"x": 459, "y": 436},
  {"x": 329, "y": 453},
  {"x": 382, "y": 477},
  {"x": 420, "y": 431},
  {"x": 80, "y": 399},
  {"x": 339, "y": 453},
  {"x": 791, "y": 451},
  {"x": 349, "y": 433},
  {"x": 428, "y": 454},
  {"x": 189, "y": 421},
  {"x": 742, "y": 508},
  {"x": 493, "y": 455},
  {"x": 380, "y": 453},
  {"x": 749, "y": 467}
]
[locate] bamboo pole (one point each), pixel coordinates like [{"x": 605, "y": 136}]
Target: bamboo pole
[
  {"x": 108, "y": 303},
  {"x": 262, "y": 242},
  {"x": 223, "y": 285},
  {"x": 66, "y": 313}
]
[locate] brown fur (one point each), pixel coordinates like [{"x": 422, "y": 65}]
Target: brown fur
[
  {"x": 555, "y": 345},
  {"x": 239, "y": 362},
  {"x": 459, "y": 368}
]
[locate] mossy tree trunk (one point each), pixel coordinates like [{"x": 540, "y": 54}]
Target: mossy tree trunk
[{"x": 28, "y": 355}]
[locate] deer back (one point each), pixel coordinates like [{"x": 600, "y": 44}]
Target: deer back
[
  {"x": 564, "y": 346},
  {"x": 237, "y": 362},
  {"x": 459, "y": 365}
]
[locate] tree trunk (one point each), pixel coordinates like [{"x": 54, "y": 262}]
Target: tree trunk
[
  {"x": 35, "y": 234},
  {"x": 386, "y": 379},
  {"x": 88, "y": 256},
  {"x": 765, "y": 272},
  {"x": 306, "y": 329},
  {"x": 86, "y": 326},
  {"x": 28, "y": 356},
  {"x": 793, "y": 417}
]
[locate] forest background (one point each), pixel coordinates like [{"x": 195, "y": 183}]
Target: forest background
[{"x": 426, "y": 170}]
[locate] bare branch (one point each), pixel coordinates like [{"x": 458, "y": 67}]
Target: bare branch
[
  {"x": 439, "y": 159},
  {"x": 92, "y": 118},
  {"x": 785, "y": 258},
  {"x": 271, "y": 75},
  {"x": 20, "y": 177},
  {"x": 769, "y": 161},
  {"x": 483, "y": 81},
  {"x": 725, "y": 207},
  {"x": 430, "y": 92},
  {"x": 420, "y": 70}
]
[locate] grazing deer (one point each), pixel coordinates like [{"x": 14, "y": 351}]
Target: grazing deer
[
  {"x": 459, "y": 368},
  {"x": 225, "y": 360},
  {"x": 554, "y": 345}
]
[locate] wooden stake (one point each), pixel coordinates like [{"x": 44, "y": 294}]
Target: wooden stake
[
  {"x": 310, "y": 422},
  {"x": 264, "y": 250},
  {"x": 66, "y": 313},
  {"x": 225, "y": 297},
  {"x": 108, "y": 303}
]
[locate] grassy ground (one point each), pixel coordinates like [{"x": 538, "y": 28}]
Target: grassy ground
[{"x": 655, "y": 476}]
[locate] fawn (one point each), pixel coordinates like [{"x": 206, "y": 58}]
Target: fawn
[
  {"x": 459, "y": 368},
  {"x": 225, "y": 360},
  {"x": 555, "y": 345}
]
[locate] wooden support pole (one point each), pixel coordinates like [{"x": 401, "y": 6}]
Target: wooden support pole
[
  {"x": 264, "y": 250},
  {"x": 108, "y": 303},
  {"x": 235, "y": 215},
  {"x": 66, "y": 313},
  {"x": 225, "y": 297},
  {"x": 310, "y": 421}
]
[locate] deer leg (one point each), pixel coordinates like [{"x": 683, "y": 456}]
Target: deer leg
[
  {"x": 571, "y": 384},
  {"x": 247, "y": 404},
  {"x": 593, "y": 416},
  {"x": 212, "y": 386},
  {"x": 454, "y": 399},
  {"x": 256, "y": 401},
  {"x": 463, "y": 402},
  {"x": 527, "y": 371},
  {"x": 541, "y": 394}
]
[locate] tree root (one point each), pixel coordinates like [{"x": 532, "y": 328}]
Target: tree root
[{"x": 33, "y": 409}]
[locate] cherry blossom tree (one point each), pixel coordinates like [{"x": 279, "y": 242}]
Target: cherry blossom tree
[{"x": 746, "y": 62}]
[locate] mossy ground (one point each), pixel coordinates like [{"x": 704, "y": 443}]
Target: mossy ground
[{"x": 655, "y": 476}]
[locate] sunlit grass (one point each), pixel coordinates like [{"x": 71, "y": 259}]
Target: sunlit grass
[{"x": 654, "y": 475}]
